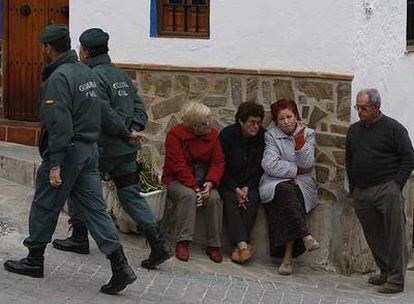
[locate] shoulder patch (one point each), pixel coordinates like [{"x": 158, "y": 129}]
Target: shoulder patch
[{"x": 49, "y": 101}]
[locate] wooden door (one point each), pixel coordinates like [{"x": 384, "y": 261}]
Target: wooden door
[
  {"x": 25, "y": 21},
  {"x": 58, "y": 11}
]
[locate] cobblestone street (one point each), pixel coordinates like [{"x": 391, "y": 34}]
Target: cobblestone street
[
  {"x": 269, "y": 144},
  {"x": 76, "y": 279}
]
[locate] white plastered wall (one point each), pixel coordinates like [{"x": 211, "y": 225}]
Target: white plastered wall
[
  {"x": 365, "y": 38},
  {"x": 270, "y": 34},
  {"x": 380, "y": 58}
]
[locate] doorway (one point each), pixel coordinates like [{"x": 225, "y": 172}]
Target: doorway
[{"x": 23, "y": 21}]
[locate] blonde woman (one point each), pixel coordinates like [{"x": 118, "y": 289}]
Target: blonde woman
[{"x": 194, "y": 165}]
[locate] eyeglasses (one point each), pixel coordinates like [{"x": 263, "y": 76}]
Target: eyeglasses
[
  {"x": 254, "y": 122},
  {"x": 362, "y": 108}
]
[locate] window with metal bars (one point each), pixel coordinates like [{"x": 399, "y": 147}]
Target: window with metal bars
[
  {"x": 410, "y": 24},
  {"x": 183, "y": 18}
]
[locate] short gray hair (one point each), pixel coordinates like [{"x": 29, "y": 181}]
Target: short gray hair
[
  {"x": 373, "y": 95},
  {"x": 196, "y": 114}
]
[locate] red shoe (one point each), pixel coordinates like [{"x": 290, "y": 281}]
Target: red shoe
[
  {"x": 181, "y": 251},
  {"x": 214, "y": 254}
]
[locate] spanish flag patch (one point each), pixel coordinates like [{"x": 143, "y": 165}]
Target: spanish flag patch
[{"x": 49, "y": 101}]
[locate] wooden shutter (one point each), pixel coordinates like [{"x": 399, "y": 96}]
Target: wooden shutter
[{"x": 183, "y": 18}]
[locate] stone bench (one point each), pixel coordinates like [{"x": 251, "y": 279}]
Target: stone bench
[
  {"x": 333, "y": 223},
  {"x": 335, "y": 226}
]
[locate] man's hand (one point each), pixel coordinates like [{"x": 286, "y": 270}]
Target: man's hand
[
  {"x": 207, "y": 186},
  {"x": 54, "y": 177},
  {"x": 135, "y": 137}
]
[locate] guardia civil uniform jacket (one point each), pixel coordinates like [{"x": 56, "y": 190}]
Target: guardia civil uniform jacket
[
  {"x": 124, "y": 101},
  {"x": 71, "y": 107}
]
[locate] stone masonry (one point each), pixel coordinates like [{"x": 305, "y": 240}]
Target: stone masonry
[
  {"x": 324, "y": 105},
  {"x": 1, "y": 78}
]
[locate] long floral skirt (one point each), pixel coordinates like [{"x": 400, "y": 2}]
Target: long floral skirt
[{"x": 286, "y": 219}]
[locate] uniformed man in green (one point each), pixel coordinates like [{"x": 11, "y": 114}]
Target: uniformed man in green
[
  {"x": 117, "y": 155},
  {"x": 69, "y": 104}
]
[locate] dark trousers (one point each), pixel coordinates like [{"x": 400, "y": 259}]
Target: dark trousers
[
  {"x": 240, "y": 222},
  {"x": 80, "y": 183},
  {"x": 286, "y": 216},
  {"x": 380, "y": 209},
  {"x": 129, "y": 197}
]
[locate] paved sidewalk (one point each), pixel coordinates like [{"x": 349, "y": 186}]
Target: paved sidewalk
[{"x": 76, "y": 279}]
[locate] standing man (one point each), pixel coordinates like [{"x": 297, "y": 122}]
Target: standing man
[
  {"x": 117, "y": 155},
  {"x": 69, "y": 103},
  {"x": 379, "y": 160}
]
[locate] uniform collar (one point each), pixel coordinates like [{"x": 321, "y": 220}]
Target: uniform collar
[
  {"x": 98, "y": 60},
  {"x": 67, "y": 57}
]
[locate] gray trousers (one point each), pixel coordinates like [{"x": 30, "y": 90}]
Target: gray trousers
[
  {"x": 185, "y": 199},
  {"x": 380, "y": 209}
]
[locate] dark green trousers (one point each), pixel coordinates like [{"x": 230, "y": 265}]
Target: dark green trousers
[
  {"x": 129, "y": 197},
  {"x": 81, "y": 183}
]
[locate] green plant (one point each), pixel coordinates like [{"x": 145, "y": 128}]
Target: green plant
[
  {"x": 149, "y": 178},
  {"x": 149, "y": 181}
]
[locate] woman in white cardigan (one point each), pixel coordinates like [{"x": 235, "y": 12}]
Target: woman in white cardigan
[{"x": 288, "y": 186}]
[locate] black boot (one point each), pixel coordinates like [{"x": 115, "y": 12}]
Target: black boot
[
  {"x": 32, "y": 265},
  {"x": 78, "y": 242},
  {"x": 160, "y": 250},
  {"x": 122, "y": 273}
]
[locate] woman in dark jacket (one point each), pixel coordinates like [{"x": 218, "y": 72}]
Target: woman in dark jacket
[{"x": 243, "y": 145}]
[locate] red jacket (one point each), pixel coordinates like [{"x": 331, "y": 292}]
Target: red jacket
[{"x": 182, "y": 147}]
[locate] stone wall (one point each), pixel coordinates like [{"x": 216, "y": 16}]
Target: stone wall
[
  {"x": 1, "y": 78},
  {"x": 324, "y": 104}
]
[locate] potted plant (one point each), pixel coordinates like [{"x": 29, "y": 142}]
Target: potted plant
[{"x": 152, "y": 190}]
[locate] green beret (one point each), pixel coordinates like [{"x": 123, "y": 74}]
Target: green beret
[
  {"x": 54, "y": 32},
  {"x": 94, "y": 37}
]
